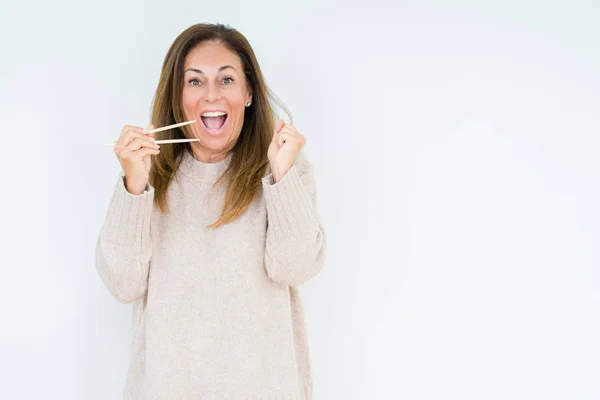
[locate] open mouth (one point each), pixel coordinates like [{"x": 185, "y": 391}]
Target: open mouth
[{"x": 214, "y": 121}]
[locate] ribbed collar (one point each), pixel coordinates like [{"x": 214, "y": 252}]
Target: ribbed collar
[{"x": 201, "y": 171}]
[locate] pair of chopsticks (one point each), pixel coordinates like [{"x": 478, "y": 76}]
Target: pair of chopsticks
[{"x": 112, "y": 143}]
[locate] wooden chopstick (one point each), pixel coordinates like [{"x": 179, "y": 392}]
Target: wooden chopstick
[
  {"x": 112, "y": 144},
  {"x": 164, "y": 128}
]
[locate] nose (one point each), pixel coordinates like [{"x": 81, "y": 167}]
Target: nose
[{"x": 212, "y": 93}]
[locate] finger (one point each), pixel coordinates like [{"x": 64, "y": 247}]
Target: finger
[
  {"x": 283, "y": 137},
  {"x": 138, "y": 154},
  {"x": 278, "y": 132},
  {"x": 149, "y": 128},
  {"x": 123, "y": 144},
  {"x": 128, "y": 136},
  {"x": 128, "y": 129},
  {"x": 131, "y": 133},
  {"x": 131, "y": 128},
  {"x": 287, "y": 131},
  {"x": 293, "y": 131},
  {"x": 280, "y": 124},
  {"x": 138, "y": 143},
  {"x": 288, "y": 134},
  {"x": 291, "y": 128},
  {"x": 141, "y": 153}
]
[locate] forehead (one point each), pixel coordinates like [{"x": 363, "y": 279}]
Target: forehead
[{"x": 209, "y": 56}]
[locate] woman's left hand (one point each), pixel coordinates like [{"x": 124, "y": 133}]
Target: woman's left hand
[{"x": 285, "y": 146}]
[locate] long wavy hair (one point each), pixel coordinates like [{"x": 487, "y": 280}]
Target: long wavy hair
[{"x": 249, "y": 161}]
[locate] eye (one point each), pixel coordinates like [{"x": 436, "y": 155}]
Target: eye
[
  {"x": 227, "y": 80},
  {"x": 194, "y": 82}
]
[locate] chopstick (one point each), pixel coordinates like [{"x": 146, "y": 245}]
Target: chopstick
[
  {"x": 164, "y": 128},
  {"x": 112, "y": 144}
]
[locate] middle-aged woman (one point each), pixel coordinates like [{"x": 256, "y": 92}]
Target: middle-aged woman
[{"x": 210, "y": 239}]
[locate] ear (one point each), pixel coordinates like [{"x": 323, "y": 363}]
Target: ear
[{"x": 248, "y": 95}]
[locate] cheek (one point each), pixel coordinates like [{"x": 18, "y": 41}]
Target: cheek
[
  {"x": 188, "y": 99},
  {"x": 237, "y": 103}
]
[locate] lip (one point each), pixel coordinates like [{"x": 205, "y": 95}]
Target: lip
[{"x": 221, "y": 129}]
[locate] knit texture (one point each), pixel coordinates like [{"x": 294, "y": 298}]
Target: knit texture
[{"x": 216, "y": 312}]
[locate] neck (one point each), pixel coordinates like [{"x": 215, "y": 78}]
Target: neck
[{"x": 207, "y": 156}]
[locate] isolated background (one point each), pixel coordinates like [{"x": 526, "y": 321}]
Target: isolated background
[{"x": 455, "y": 146}]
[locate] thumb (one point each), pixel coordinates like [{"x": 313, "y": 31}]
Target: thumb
[
  {"x": 149, "y": 128},
  {"x": 280, "y": 124}
]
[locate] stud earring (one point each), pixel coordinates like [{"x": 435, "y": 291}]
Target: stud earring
[{"x": 248, "y": 104}]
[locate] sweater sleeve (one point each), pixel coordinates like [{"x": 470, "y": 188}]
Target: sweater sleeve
[
  {"x": 124, "y": 245},
  {"x": 296, "y": 243}
]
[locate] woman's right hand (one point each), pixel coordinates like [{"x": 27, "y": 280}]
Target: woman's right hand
[{"x": 134, "y": 150}]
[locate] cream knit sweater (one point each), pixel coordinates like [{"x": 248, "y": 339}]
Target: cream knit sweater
[{"x": 216, "y": 312}]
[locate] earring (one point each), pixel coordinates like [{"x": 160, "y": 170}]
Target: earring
[{"x": 248, "y": 104}]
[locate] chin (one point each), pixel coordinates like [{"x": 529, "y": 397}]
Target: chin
[{"x": 216, "y": 142}]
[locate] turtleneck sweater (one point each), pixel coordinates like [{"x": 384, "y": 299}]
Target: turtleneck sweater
[{"x": 216, "y": 311}]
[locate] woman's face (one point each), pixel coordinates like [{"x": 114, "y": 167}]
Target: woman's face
[{"x": 215, "y": 94}]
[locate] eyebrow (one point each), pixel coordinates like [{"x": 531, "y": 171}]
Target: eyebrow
[{"x": 200, "y": 71}]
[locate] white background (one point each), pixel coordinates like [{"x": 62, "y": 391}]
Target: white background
[{"x": 455, "y": 147}]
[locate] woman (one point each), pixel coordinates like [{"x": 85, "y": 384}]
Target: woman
[{"x": 210, "y": 239}]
